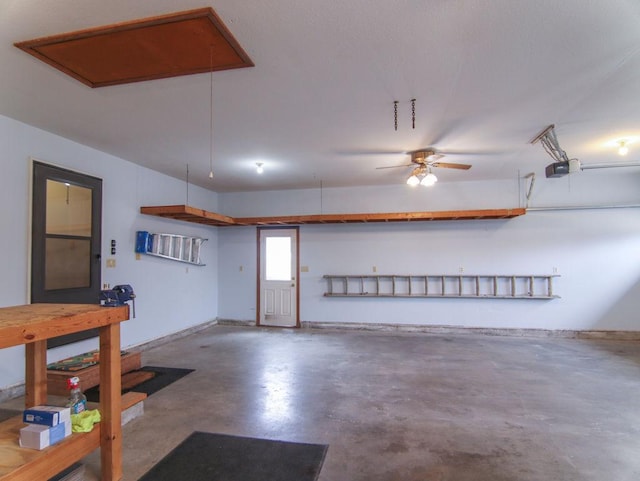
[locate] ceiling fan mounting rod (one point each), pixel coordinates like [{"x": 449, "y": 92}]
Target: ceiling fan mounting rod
[
  {"x": 395, "y": 114},
  {"x": 413, "y": 113}
]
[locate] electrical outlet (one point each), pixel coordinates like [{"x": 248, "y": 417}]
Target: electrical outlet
[
  {"x": 375, "y": 268},
  {"x": 111, "y": 262},
  {"x": 555, "y": 270},
  {"x": 460, "y": 269},
  {"x": 304, "y": 268},
  {"x": 138, "y": 256},
  {"x": 241, "y": 268}
]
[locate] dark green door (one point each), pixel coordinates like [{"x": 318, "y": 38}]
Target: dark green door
[{"x": 66, "y": 240}]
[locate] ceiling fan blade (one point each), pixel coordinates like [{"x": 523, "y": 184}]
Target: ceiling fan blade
[
  {"x": 394, "y": 166},
  {"x": 449, "y": 165}
]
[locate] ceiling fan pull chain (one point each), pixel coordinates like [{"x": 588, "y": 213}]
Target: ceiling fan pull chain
[
  {"x": 395, "y": 114},
  {"x": 413, "y": 112}
]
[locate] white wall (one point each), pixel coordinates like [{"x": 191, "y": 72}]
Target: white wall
[
  {"x": 171, "y": 296},
  {"x": 596, "y": 251}
]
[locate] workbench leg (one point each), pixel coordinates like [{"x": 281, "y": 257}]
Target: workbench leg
[
  {"x": 35, "y": 379},
  {"x": 110, "y": 403}
]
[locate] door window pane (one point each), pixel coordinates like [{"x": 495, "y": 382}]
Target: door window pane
[
  {"x": 67, "y": 263},
  {"x": 68, "y": 209},
  {"x": 278, "y": 259}
]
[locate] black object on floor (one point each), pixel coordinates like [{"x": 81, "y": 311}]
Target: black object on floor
[
  {"x": 162, "y": 377},
  {"x": 221, "y": 457}
]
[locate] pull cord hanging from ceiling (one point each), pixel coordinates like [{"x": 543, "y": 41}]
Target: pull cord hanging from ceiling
[{"x": 211, "y": 116}]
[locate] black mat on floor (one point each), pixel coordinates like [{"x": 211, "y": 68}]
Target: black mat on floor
[
  {"x": 220, "y": 457},
  {"x": 163, "y": 376}
]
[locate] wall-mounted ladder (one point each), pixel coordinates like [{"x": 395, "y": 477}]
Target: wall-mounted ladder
[
  {"x": 490, "y": 286},
  {"x": 170, "y": 246}
]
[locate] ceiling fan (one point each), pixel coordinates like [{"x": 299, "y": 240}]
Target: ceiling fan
[{"x": 424, "y": 161}]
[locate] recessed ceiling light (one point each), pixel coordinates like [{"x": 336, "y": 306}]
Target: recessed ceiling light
[{"x": 623, "y": 149}]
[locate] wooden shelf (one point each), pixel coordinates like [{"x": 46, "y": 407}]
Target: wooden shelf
[
  {"x": 30, "y": 464},
  {"x": 187, "y": 213}
]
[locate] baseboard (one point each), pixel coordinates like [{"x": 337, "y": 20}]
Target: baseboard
[
  {"x": 236, "y": 322},
  {"x": 173, "y": 336},
  {"x": 11, "y": 392},
  {"x": 458, "y": 330},
  {"x": 487, "y": 331}
]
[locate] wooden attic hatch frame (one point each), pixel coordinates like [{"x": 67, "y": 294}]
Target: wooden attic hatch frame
[
  {"x": 182, "y": 43},
  {"x": 187, "y": 213}
]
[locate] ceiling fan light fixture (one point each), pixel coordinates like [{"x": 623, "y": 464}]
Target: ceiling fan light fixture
[
  {"x": 413, "y": 180},
  {"x": 623, "y": 149},
  {"x": 429, "y": 180}
]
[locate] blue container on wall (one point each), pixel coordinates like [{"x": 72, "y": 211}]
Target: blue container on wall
[{"x": 143, "y": 241}]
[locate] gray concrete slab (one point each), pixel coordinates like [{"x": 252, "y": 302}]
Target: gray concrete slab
[{"x": 398, "y": 406}]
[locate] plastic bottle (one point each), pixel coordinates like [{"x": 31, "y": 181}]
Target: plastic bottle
[{"x": 77, "y": 400}]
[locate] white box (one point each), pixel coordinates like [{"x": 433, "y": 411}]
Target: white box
[
  {"x": 34, "y": 436},
  {"x": 64, "y": 414}
]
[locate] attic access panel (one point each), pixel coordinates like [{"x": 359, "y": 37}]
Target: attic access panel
[{"x": 182, "y": 43}]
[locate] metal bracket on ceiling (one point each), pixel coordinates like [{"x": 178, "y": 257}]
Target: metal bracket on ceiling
[{"x": 549, "y": 141}]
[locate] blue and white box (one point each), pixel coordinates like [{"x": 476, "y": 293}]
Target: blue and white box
[{"x": 41, "y": 415}]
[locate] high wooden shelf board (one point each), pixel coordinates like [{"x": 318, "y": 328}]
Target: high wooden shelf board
[{"x": 199, "y": 216}]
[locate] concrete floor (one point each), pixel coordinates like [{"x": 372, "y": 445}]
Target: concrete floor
[{"x": 410, "y": 407}]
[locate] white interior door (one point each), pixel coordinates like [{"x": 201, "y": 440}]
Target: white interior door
[{"x": 278, "y": 278}]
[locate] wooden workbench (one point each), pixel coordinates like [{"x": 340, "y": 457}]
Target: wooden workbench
[{"x": 32, "y": 325}]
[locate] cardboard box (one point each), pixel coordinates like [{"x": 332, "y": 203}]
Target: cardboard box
[
  {"x": 41, "y": 415},
  {"x": 40, "y": 436},
  {"x": 34, "y": 436},
  {"x": 47, "y": 415}
]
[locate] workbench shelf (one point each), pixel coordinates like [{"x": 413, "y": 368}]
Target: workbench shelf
[
  {"x": 31, "y": 325},
  {"x": 488, "y": 286}
]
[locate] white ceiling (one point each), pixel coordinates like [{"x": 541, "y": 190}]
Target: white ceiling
[{"x": 488, "y": 75}]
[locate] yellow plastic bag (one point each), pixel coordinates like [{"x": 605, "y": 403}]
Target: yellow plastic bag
[{"x": 84, "y": 421}]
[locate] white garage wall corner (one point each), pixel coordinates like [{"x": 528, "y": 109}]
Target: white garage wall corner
[
  {"x": 237, "y": 257},
  {"x": 171, "y": 296},
  {"x": 596, "y": 252}
]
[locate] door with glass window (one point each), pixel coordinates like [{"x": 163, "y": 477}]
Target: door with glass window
[
  {"x": 278, "y": 277},
  {"x": 65, "y": 245}
]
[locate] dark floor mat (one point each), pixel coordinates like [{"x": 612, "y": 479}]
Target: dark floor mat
[
  {"x": 162, "y": 377},
  {"x": 221, "y": 457}
]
